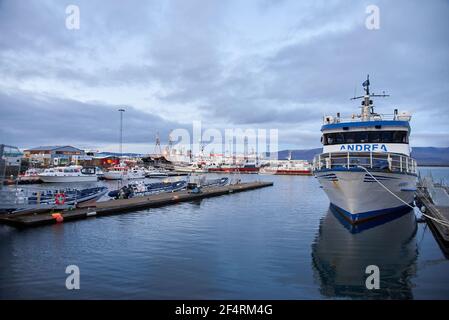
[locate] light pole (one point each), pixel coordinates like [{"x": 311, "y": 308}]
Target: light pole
[{"x": 121, "y": 131}]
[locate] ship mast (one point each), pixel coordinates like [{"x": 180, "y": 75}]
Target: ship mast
[{"x": 367, "y": 103}]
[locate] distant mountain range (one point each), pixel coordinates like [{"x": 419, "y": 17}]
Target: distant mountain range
[
  {"x": 116, "y": 154},
  {"x": 425, "y": 156}
]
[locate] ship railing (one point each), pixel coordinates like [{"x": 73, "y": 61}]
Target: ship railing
[
  {"x": 374, "y": 117},
  {"x": 389, "y": 162}
]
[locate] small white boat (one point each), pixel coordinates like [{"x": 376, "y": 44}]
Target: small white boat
[
  {"x": 122, "y": 172},
  {"x": 194, "y": 167},
  {"x": 30, "y": 176},
  {"x": 156, "y": 173},
  {"x": 69, "y": 174},
  {"x": 136, "y": 173},
  {"x": 116, "y": 173}
]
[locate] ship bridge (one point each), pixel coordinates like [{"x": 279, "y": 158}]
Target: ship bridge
[{"x": 368, "y": 131}]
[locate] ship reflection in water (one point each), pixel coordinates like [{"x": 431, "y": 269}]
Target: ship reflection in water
[{"x": 341, "y": 252}]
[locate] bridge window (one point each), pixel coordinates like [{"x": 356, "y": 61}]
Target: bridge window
[{"x": 365, "y": 137}]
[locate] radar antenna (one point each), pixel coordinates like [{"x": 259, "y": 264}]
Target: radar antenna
[{"x": 367, "y": 103}]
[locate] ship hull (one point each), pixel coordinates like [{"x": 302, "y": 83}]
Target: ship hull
[
  {"x": 358, "y": 197},
  {"x": 112, "y": 175},
  {"x": 234, "y": 169},
  {"x": 65, "y": 179}
]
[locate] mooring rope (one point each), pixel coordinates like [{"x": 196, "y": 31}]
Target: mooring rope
[{"x": 444, "y": 223}]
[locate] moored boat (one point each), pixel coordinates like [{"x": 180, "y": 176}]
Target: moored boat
[
  {"x": 69, "y": 174},
  {"x": 66, "y": 196},
  {"x": 207, "y": 183},
  {"x": 139, "y": 189},
  {"x": 123, "y": 172},
  {"x": 365, "y": 167},
  {"x": 23, "y": 199},
  {"x": 30, "y": 176},
  {"x": 136, "y": 173},
  {"x": 191, "y": 168},
  {"x": 288, "y": 167},
  {"x": 156, "y": 173},
  {"x": 247, "y": 167}
]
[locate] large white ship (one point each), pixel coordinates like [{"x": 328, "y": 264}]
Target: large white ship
[
  {"x": 69, "y": 174},
  {"x": 365, "y": 168}
]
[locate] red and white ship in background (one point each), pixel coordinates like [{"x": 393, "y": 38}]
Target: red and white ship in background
[
  {"x": 183, "y": 160},
  {"x": 246, "y": 167},
  {"x": 288, "y": 167}
]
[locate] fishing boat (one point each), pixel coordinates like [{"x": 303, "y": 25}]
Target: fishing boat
[
  {"x": 139, "y": 189},
  {"x": 117, "y": 172},
  {"x": 247, "y": 167},
  {"x": 30, "y": 176},
  {"x": 287, "y": 167},
  {"x": 293, "y": 168},
  {"x": 191, "y": 168},
  {"x": 365, "y": 167},
  {"x": 122, "y": 172},
  {"x": 69, "y": 174}
]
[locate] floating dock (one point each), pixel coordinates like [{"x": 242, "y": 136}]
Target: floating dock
[{"x": 93, "y": 209}]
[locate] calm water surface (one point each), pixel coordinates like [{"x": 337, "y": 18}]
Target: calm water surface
[{"x": 281, "y": 242}]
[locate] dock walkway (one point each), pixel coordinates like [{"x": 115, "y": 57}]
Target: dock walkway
[
  {"x": 436, "y": 211},
  {"x": 120, "y": 206}
]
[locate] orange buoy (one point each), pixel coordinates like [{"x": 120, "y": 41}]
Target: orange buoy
[{"x": 58, "y": 217}]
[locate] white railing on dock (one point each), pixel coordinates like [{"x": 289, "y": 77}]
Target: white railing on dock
[{"x": 371, "y": 160}]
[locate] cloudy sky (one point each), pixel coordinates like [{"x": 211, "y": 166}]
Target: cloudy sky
[{"x": 230, "y": 64}]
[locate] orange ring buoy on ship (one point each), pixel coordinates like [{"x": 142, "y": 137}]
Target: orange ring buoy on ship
[{"x": 60, "y": 198}]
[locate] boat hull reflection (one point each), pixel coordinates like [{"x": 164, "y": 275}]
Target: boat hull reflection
[{"x": 341, "y": 253}]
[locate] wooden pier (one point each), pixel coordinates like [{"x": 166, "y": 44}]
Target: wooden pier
[
  {"x": 93, "y": 209},
  {"x": 439, "y": 226}
]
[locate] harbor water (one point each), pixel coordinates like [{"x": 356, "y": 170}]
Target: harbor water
[{"x": 280, "y": 242}]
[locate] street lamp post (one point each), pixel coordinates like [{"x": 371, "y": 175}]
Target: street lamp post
[{"x": 121, "y": 131}]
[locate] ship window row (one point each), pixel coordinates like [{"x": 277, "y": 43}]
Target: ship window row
[{"x": 365, "y": 137}]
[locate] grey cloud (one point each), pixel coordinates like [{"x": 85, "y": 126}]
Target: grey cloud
[
  {"x": 27, "y": 119},
  {"x": 184, "y": 50}
]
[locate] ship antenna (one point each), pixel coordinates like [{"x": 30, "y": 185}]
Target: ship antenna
[{"x": 366, "y": 84}]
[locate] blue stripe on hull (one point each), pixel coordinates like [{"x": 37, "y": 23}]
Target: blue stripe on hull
[{"x": 360, "y": 217}]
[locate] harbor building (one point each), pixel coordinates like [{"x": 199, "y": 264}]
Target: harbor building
[{"x": 53, "y": 155}]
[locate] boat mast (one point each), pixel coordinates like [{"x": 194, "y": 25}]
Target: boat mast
[{"x": 367, "y": 103}]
